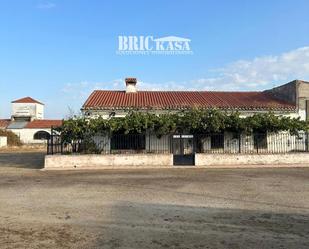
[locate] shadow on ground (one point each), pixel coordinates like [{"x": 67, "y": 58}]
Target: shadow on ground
[
  {"x": 217, "y": 209},
  {"x": 29, "y": 160},
  {"x": 135, "y": 225}
]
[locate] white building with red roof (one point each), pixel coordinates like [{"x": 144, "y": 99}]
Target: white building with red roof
[
  {"x": 27, "y": 109},
  {"x": 27, "y": 121},
  {"x": 291, "y": 99}
]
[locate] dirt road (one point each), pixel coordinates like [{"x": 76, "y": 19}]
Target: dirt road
[{"x": 178, "y": 208}]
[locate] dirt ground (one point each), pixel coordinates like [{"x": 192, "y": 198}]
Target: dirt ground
[{"x": 170, "y": 208}]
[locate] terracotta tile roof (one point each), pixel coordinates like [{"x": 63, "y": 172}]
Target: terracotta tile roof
[
  {"x": 100, "y": 99},
  {"x": 45, "y": 123},
  {"x": 4, "y": 123},
  {"x": 27, "y": 100}
]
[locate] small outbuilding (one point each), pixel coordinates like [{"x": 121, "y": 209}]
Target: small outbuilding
[{"x": 27, "y": 121}]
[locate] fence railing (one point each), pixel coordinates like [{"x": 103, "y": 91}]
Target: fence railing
[
  {"x": 271, "y": 143},
  {"x": 116, "y": 144},
  {"x": 227, "y": 142}
]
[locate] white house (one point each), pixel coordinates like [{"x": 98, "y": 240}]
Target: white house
[
  {"x": 27, "y": 121},
  {"x": 291, "y": 99}
]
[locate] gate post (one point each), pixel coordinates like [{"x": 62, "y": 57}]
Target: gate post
[
  {"x": 171, "y": 143},
  {"x": 239, "y": 143},
  {"x": 52, "y": 140},
  {"x": 307, "y": 142},
  {"x": 149, "y": 143}
]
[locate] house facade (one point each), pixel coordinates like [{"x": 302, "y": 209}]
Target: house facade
[
  {"x": 27, "y": 121},
  {"x": 290, "y": 99}
]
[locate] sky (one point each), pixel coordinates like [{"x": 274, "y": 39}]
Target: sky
[{"x": 59, "y": 51}]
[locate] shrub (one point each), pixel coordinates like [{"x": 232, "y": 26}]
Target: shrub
[
  {"x": 12, "y": 138},
  {"x": 194, "y": 121}
]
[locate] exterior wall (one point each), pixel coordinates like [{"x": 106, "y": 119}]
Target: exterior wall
[
  {"x": 247, "y": 143},
  {"x": 103, "y": 142},
  {"x": 39, "y": 111},
  {"x": 26, "y": 135},
  {"x": 206, "y": 144},
  {"x": 132, "y": 161},
  {"x": 290, "y": 114},
  {"x": 153, "y": 143},
  {"x": 3, "y": 141},
  {"x": 231, "y": 144},
  {"x": 105, "y": 114},
  {"x": 303, "y": 96},
  {"x": 108, "y": 161},
  {"x": 276, "y": 143},
  {"x": 285, "y": 141},
  {"x": 286, "y": 92},
  {"x": 32, "y": 110},
  {"x": 205, "y": 160},
  {"x": 296, "y": 92}
]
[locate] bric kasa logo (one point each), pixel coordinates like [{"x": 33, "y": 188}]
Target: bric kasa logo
[{"x": 148, "y": 45}]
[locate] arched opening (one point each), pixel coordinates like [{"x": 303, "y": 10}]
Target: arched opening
[{"x": 41, "y": 135}]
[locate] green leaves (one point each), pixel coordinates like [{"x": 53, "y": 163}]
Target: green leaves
[
  {"x": 192, "y": 121},
  {"x": 270, "y": 122}
]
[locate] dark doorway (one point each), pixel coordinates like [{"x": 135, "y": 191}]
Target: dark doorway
[
  {"x": 41, "y": 135},
  {"x": 183, "y": 150}
]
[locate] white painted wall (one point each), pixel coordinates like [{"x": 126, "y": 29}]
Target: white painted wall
[
  {"x": 108, "y": 161},
  {"x": 282, "y": 140},
  {"x": 39, "y": 111},
  {"x": 285, "y": 141},
  {"x": 158, "y": 145},
  {"x": 3, "y": 141},
  {"x": 102, "y": 142},
  {"x": 153, "y": 144},
  {"x": 33, "y": 110},
  {"x": 105, "y": 114},
  {"x": 208, "y": 160},
  {"x": 26, "y": 135},
  {"x": 131, "y": 161}
]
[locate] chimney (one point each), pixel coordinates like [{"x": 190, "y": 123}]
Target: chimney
[{"x": 131, "y": 85}]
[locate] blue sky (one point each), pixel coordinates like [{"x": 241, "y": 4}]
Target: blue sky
[{"x": 59, "y": 51}]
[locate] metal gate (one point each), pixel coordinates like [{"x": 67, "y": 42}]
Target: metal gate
[{"x": 183, "y": 150}]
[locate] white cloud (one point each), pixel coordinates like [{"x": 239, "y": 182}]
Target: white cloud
[
  {"x": 46, "y": 5},
  {"x": 81, "y": 90},
  {"x": 259, "y": 73}
]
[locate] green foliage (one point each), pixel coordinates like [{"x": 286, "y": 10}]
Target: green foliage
[
  {"x": 193, "y": 121},
  {"x": 12, "y": 138},
  {"x": 269, "y": 122}
]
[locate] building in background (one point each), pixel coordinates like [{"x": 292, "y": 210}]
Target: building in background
[{"x": 27, "y": 121}]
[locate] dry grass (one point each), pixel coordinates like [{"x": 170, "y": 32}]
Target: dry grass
[{"x": 12, "y": 138}]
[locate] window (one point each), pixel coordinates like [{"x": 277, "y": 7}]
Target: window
[
  {"x": 260, "y": 141},
  {"x": 128, "y": 142},
  {"x": 217, "y": 141},
  {"x": 41, "y": 135}
]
